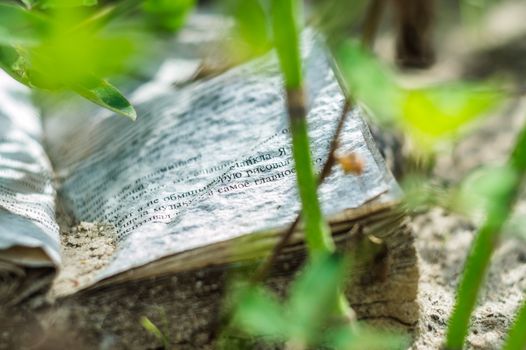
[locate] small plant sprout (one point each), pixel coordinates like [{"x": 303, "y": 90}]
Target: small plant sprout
[{"x": 151, "y": 328}]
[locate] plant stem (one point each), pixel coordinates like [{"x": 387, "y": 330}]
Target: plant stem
[
  {"x": 317, "y": 231},
  {"x": 482, "y": 248},
  {"x": 265, "y": 267},
  {"x": 285, "y": 26},
  {"x": 517, "y": 335},
  {"x": 286, "y": 36}
]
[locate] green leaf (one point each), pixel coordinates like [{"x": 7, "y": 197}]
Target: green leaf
[
  {"x": 473, "y": 11},
  {"x": 313, "y": 295},
  {"x": 10, "y": 63},
  {"x": 440, "y": 112},
  {"x": 429, "y": 115},
  {"x": 334, "y": 18},
  {"x": 259, "y": 313},
  {"x": 346, "y": 338},
  {"x": 29, "y": 3},
  {"x": 168, "y": 15},
  {"x": 21, "y": 27},
  {"x": 369, "y": 82},
  {"x": 516, "y": 226},
  {"x": 252, "y": 27},
  {"x": 72, "y": 55},
  {"x": 482, "y": 189},
  {"x": 61, "y": 3},
  {"x": 420, "y": 193},
  {"x": 106, "y": 95},
  {"x": 155, "y": 331}
]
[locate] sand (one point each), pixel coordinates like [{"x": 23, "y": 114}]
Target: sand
[{"x": 86, "y": 248}]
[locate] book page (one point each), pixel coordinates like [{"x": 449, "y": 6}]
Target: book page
[
  {"x": 27, "y": 196},
  {"x": 209, "y": 161}
]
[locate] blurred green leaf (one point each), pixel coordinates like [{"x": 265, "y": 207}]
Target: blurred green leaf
[
  {"x": 337, "y": 18},
  {"x": 303, "y": 317},
  {"x": 72, "y": 54},
  {"x": 365, "y": 338},
  {"x": 440, "y": 112},
  {"x": 473, "y": 11},
  {"x": 10, "y": 63},
  {"x": 46, "y": 4},
  {"x": 420, "y": 193},
  {"x": 369, "y": 82},
  {"x": 106, "y": 95},
  {"x": 252, "y": 28},
  {"x": 260, "y": 313},
  {"x": 313, "y": 295},
  {"x": 481, "y": 189},
  {"x": 429, "y": 115},
  {"x": 29, "y": 3},
  {"x": 516, "y": 226},
  {"x": 167, "y": 15},
  {"x": 57, "y": 3},
  {"x": 20, "y": 27}
]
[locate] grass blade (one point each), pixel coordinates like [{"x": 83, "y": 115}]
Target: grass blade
[
  {"x": 482, "y": 249},
  {"x": 517, "y": 335},
  {"x": 286, "y": 38}
]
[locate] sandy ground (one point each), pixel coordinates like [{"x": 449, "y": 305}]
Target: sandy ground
[{"x": 86, "y": 249}]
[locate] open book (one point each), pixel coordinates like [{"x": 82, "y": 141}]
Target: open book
[{"x": 204, "y": 179}]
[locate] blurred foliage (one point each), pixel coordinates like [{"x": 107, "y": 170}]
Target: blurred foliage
[
  {"x": 303, "y": 320},
  {"x": 476, "y": 194},
  {"x": 167, "y": 15},
  {"x": 252, "y": 34},
  {"x": 428, "y": 115},
  {"x": 75, "y": 45},
  {"x": 473, "y": 11}
]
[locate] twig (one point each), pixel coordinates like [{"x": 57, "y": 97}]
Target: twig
[{"x": 265, "y": 267}]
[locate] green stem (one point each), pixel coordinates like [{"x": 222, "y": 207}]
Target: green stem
[
  {"x": 285, "y": 25},
  {"x": 482, "y": 248},
  {"x": 317, "y": 231},
  {"x": 517, "y": 334}
]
